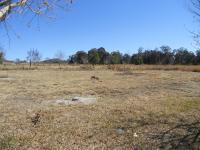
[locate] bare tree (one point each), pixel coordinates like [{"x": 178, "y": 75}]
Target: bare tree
[
  {"x": 60, "y": 56},
  {"x": 37, "y": 7},
  {"x": 33, "y": 56},
  {"x": 2, "y": 55},
  {"x": 195, "y": 9}
]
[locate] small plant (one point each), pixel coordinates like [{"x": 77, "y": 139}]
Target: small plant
[{"x": 35, "y": 119}]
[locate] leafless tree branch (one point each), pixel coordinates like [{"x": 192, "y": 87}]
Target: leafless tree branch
[{"x": 38, "y": 7}]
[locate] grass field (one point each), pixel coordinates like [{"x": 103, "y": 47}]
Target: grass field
[{"x": 135, "y": 107}]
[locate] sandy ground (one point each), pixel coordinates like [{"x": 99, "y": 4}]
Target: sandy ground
[{"x": 131, "y": 110}]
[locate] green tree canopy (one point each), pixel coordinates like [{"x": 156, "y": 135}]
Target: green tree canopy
[
  {"x": 81, "y": 57},
  {"x": 93, "y": 56},
  {"x": 116, "y": 57}
]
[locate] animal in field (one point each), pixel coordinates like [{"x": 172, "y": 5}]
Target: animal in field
[{"x": 94, "y": 78}]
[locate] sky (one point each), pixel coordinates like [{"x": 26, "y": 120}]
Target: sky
[{"x": 123, "y": 25}]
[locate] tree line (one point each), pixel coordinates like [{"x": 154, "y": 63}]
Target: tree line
[
  {"x": 159, "y": 56},
  {"x": 163, "y": 55}
]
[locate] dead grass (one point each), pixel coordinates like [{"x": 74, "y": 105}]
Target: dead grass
[
  {"x": 120, "y": 67},
  {"x": 184, "y": 104},
  {"x": 146, "y": 103},
  {"x": 3, "y": 75},
  {"x": 189, "y": 68}
]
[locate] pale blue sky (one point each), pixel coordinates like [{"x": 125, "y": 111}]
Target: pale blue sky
[{"x": 123, "y": 25}]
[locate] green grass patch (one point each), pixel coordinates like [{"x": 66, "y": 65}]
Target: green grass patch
[
  {"x": 179, "y": 104},
  {"x": 7, "y": 142}
]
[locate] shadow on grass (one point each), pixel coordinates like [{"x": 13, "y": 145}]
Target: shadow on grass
[{"x": 182, "y": 136}]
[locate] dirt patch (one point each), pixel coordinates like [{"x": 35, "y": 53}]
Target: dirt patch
[
  {"x": 5, "y": 78},
  {"x": 76, "y": 100}
]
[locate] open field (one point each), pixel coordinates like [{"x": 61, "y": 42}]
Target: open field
[{"x": 133, "y": 108}]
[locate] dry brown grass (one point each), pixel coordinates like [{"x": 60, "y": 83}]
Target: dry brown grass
[
  {"x": 141, "y": 109},
  {"x": 189, "y": 68},
  {"x": 120, "y": 67}
]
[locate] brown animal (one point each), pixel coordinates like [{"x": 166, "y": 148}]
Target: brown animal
[{"x": 94, "y": 78}]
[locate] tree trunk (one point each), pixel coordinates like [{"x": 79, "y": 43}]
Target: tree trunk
[{"x": 30, "y": 63}]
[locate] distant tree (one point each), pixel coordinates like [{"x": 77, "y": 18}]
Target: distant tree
[
  {"x": 33, "y": 56},
  {"x": 198, "y": 57},
  {"x": 103, "y": 55},
  {"x": 60, "y": 56},
  {"x": 156, "y": 56},
  {"x": 167, "y": 56},
  {"x": 2, "y": 55},
  {"x": 165, "y": 49},
  {"x": 152, "y": 56},
  {"x": 183, "y": 56},
  {"x": 162, "y": 55},
  {"x": 137, "y": 59},
  {"x": 116, "y": 57},
  {"x": 107, "y": 58},
  {"x": 17, "y": 61},
  {"x": 71, "y": 59},
  {"x": 140, "y": 50},
  {"x": 126, "y": 59},
  {"x": 93, "y": 56},
  {"x": 81, "y": 57}
]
